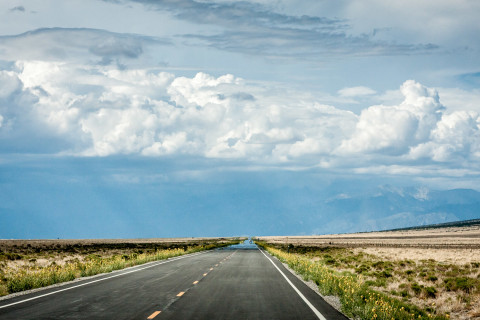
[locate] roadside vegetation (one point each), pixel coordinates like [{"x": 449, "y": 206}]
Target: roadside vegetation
[
  {"x": 370, "y": 287},
  {"x": 26, "y": 267}
]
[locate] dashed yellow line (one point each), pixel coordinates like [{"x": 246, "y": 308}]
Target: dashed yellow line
[
  {"x": 153, "y": 315},
  {"x": 156, "y": 313}
]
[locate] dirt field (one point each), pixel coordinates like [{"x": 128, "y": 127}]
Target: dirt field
[{"x": 438, "y": 238}]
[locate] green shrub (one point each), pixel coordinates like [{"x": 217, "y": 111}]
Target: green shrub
[
  {"x": 385, "y": 274},
  {"x": 431, "y": 292},
  {"x": 465, "y": 284},
  {"x": 10, "y": 256},
  {"x": 432, "y": 278},
  {"x": 404, "y": 293},
  {"x": 328, "y": 259},
  {"x": 416, "y": 288},
  {"x": 362, "y": 269}
]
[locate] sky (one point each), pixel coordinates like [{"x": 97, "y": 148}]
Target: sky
[{"x": 138, "y": 118}]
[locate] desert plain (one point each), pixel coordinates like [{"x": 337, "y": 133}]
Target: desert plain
[{"x": 435, "y": 269}]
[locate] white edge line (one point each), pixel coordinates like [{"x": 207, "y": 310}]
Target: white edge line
[
  {"x": 152, "y": 264},
  {"x": 317, "y": 313}
]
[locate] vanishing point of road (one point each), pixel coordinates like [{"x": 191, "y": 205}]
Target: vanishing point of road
[{"x": 238, "y": 282}]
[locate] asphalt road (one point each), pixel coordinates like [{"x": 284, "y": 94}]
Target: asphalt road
[{"x": 239, "y": 282}]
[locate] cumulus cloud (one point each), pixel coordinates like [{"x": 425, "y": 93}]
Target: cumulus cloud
[
  {"x": 104, "y": 111},
  {"x": 97, "y": 110},
  {"x": 200, "y": 90},
  {"x": 456, "y": 135},
  {"x": 394, "y": 129}
]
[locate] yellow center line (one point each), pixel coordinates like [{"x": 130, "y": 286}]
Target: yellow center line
[
  {"x": 216, "y": 265},
  {"x": 180, "y": 294},
  {"x": 205, "y": 274},
  {"x": 211, "y": 269},
  {"x": 153, "y": 315},
  {"x": 195, "y": 282}
]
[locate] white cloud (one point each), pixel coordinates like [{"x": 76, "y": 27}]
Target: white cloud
[
  {"x": 170, "y": 144},
  {"x": 55, "y": 103},
  {"x": 457, "y": 135},
  {"x": 119, "y": 131},
  {"x": 200, "y": 90},
  {"x": 393, "y": 129},
  {"x": 103, "y": 110},
  {"x": 356, "y": 91}
]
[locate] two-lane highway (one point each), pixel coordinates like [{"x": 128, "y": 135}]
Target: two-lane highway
[{"x": 239, "y": 282}]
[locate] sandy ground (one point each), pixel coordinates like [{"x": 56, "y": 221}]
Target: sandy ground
[
  {"x": 440, "y": 238},
  {"x": 450, "y": 256}
]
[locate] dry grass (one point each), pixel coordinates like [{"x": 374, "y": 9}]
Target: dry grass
[
  {"x": 49, "y": 258},
  {"x": 358, "y": 299},
  {"x": 18, "y": 254},
  {"x": 434, "y": 269}
]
